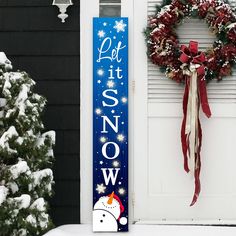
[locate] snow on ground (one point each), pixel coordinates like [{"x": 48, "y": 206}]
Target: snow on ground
[{"x": 148, "y": 230}]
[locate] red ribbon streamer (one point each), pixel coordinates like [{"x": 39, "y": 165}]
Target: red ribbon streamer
[{"x": 190, "y": 55}]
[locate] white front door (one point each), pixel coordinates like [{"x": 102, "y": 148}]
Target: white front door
[{"x": 162, "y": 190}]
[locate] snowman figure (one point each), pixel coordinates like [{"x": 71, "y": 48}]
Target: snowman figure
[{"x": 106, "y": 214}]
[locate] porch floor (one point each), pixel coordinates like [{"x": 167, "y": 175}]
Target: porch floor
[{"x": 147, "y": 230}]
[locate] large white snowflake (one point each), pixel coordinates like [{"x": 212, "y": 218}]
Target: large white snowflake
[
  {"x": 121, "y": 191},
  {"x": 100, "y": 188},
  {"x": 124, "y": 99},
  {"x": 100, "y": 72},
  {"x": 101, "y": 33},
  {"x": 120, "y": 137},
  {"x": 103, "y": 139},
  {"x": 115, "y": 163},
  {"x": 98, "y": 111},
  {"x": 120, "y": 26}
]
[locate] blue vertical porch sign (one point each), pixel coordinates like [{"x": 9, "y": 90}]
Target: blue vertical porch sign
[{"x": 110, "y": 124}]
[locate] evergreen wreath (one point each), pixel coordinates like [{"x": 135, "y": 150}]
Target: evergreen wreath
[
  {"x": 188, "y": 65},
  {"x": 162, "y": 40}
]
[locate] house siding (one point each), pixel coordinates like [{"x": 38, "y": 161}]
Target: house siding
[{"x": 36, "y": 41}]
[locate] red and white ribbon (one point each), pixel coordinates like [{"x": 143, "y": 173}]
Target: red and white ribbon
[{"x": 194, "y": 95}]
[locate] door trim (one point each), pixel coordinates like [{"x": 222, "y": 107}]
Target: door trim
[
  {"x": 140, "y": 102},
  {"x": 86, "y": 14}
]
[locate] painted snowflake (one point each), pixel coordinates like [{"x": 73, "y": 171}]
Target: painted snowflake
[
  {"x": 120, "y": 26},
  {"x": 101, "y": 34}
]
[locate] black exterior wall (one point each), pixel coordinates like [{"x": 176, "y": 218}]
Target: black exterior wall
[{"x": 36, "y": 41}]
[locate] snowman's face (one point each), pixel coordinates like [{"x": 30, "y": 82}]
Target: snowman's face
[{"x": 113, "y": 208}]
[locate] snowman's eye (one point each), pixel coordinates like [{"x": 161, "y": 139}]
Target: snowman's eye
[{"x": 103, "y": 215}]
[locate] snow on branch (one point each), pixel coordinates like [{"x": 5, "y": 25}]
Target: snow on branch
[
  {"x": 3, "y": 194},
  {"x": 18, "y": 169}
]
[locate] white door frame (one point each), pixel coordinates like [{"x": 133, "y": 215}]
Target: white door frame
[
  {"x": 140, "y": 102},
  {"x": 88, "y": 10}
]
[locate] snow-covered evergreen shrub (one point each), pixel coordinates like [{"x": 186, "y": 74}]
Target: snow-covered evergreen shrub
[{"x": 26, "y": 156}]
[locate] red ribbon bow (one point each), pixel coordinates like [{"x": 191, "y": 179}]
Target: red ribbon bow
[
  {"x": 190, "y": 55},
  {"x": 195, "y": 59}
]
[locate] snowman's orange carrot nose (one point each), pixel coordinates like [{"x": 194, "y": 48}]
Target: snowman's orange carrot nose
[{"x": 110, "y": 198}]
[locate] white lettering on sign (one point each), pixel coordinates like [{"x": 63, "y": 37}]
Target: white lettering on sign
[
  {"x": 115, "y": 100},
  {"x": 105, "y": 51},
  {"x": 111, "y": 176},
  {"x": 116, "y": 153},
  {"x": 115, "y": 126}
]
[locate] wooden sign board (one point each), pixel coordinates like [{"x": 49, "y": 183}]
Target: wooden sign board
[{"x": 110, "y": 124}]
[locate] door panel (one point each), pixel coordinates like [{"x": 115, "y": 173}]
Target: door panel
[
  {"x": 162, "y": 190},
  {"x": 170, "y": 189}
]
